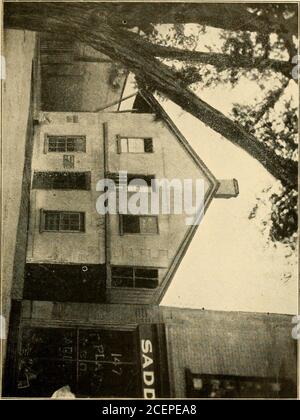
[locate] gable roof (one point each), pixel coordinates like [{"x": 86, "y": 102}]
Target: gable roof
[{"x": 158, "y": 110}]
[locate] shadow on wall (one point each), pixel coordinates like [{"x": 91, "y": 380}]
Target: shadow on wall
[{"x": 75, "y": 77}]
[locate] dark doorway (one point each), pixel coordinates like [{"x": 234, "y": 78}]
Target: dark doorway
[{"x": 92, "y": 362}]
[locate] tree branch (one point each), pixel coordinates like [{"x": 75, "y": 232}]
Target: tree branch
[
  {"x": 112, "y": 41},
  {"x": 270, "y": 102},
  {"x": 218, "y": 60}
]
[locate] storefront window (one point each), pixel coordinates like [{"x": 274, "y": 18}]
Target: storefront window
[
  {"x": 94, "y": 363},
  {"x": 230, "y": 386}
]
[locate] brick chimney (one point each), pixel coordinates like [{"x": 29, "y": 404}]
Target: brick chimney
[{"x": 228, "y": 188}]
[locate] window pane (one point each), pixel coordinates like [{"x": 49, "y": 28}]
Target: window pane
[
  {"x": 148, "y": 224},
  {"x": 70, "y": 145},
  {"x": 148, "y": 145},
  {"x": 52, "y": 220},
  {"x": 92, "y": 362},
  {"x": 74, "y": 221},
  {"x": 68, "y": 161},
  {"x": 41, "y": 180},
  {"x": 61, "y": 146},
  {"x": 146, "y": 273},
  {"x": 80, "y": 144},
  {"x": 123, "y": 145},
  {"x": 106, "y": 344},
  {"x": 51, "y": 145},
  {"x": 80, "y": 180},
  {"x": 97, "y": 379},
  {"x": 122, "y": 276},
  {"x": 61, "y": 180},
  {"x": 41, "y": 377},
  {"x": 146, "y": 283},
  {"x": 107, "y": 363},
  {"x": 82, "y": 222},
  {"x": 53, "y": 343},
  {"x": 131, "y": 224},
  {"x": 70, "y": 221},
  {"x": 135, "y": 145},
  {"x": 41, "y": 348},
  {"x": 227, "y": 386},
  {"x": 143, "y": 277},
  {"x": 122, "y": 271},
  {"x": 66, "y": 143},
  {"x": 65, "y": 221},
  {"x": 122, "y": 282},
  {"x": 56, "y": 144},
  {"x": 135, "y": 182}
]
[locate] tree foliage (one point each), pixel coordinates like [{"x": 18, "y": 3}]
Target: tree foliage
[
  {"x": 279, "y": 129},
  {"x": 258, "y": 42}
]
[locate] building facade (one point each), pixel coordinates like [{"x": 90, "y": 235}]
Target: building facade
[
  {"x": 145, "y": 351},
  {"x": 86, "y": 311},
  {"x": 76, "y": 254}
]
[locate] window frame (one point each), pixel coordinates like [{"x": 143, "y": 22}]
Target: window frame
[
  {"x": 87, "y": 176},
  {"x": 121, "y": 224},
  {"x": 134, "y": 277},
  {"x": 81, "y": 226},
  {"x": 65, "y": 138},
  {"x": 127, "y": 138},
  {"x": 72, "y": 119},
  {"x": 147, "y": 178},
  {"x": 77, "y": 331},
  {"x": 130, "y": 176},
  {"x": 68, "y": 161},
  {"x": 191, "y": 392}
]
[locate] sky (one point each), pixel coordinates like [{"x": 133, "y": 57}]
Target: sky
[{"x": 230, "y": 264}]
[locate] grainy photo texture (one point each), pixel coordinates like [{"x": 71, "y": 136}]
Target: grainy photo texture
[{"x": 149, "y": 200}]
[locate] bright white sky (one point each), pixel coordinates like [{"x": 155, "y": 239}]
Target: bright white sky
[{"x": 230, "y": 265}]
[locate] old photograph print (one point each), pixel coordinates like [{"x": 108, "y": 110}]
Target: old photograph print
[{"x": 149, "y": 200}]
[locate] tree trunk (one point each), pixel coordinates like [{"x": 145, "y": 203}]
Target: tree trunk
[
  {"x": 219, "y": 60},
  {"x": 224, "y": 16},
  {"x": 114, "y": 42}
]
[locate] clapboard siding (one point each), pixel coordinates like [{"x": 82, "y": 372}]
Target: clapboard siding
[
  {"x": 131, "y": 296},
  {"x": 232, "y": 343},
  {"x": 58, "y": 313}
]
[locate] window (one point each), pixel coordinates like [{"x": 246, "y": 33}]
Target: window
[
  {"x": 133, "y": 180},
  {"x": 68, "y": 161},
  {"x": 62, "y": 221},
  {"x": 123, "y": 276},
  {"x": 62, "y": 180},
  {"x": 138, "y": 224},
  {"x": 230, "y": 386},
  {"x": 134, "y": 145},
  {"x": 93, "y": 362},
  {"x": 72, "y": 118},
  {"x": 65, "y": 143}
]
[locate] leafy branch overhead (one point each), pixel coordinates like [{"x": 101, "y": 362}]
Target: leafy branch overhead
[
  {"x": 99, "y": 28},
  {"x": 258, "y": 42}
]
